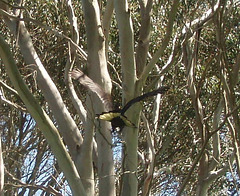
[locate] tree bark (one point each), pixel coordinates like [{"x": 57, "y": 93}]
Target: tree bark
[
  {"x": 130, "y": 135},
  {"x": 97, "y": 63},
  {"x": 1, "y": 169},
  {"x": 45, "y": 124},
  {"x": 64, "y": 120}
]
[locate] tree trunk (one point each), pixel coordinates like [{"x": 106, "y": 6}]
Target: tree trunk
[
  {"x": 1, "y": 169},
  {"x": 97, "y": 63}
]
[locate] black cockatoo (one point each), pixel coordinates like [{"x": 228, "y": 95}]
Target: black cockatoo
[{"x": 116, "y": 117}]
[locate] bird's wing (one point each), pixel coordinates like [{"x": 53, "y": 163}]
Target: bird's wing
[
  {"x": 92, "y": 86},
  {"x": 160, "y": 90}
]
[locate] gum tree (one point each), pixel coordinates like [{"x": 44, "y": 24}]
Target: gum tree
[{"x": 185, "y": 141}]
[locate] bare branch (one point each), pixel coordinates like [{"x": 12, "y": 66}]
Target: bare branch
[
  {"x": 3, "y": 98},
  {"x": 48, "y": 189},
  {"x": 107, "y": 21},
  {"x": 1, "y": 168},
  {"x": 164, "y": 43},
  {"x": 186, "y": 180},
  {"x": 151, "y": 158},
  {"x": 44, "y": 122},
  {"x": 71, "y": 60},
  {"x": 144, "y": 35},
  {"x": 50, "y": 29}
]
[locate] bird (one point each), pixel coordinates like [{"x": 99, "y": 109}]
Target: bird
[{"x": 116, "y": 117}]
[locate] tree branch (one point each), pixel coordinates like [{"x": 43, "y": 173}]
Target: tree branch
[
  {"x": 164, "y": 44},
  {"x": 151, "y": 158},
  {"x": 64, "y": 120},
  {"x": 45, "y": 124},
  {"x": 21, "y": 184},
  {"x": 195, "y": 162}
]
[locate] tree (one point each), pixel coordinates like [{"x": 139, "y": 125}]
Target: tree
[{"x": 185, "y": 142}]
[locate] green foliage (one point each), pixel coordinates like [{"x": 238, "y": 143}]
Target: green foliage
[{"x": 176, "y": 139}]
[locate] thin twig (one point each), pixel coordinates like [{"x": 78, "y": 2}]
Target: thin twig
[
  {"x": 48, "y": 189},
  {"x": 202, "y": 151}
]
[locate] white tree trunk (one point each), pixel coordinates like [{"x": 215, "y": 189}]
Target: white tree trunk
[{"x": 1, "y": 169}]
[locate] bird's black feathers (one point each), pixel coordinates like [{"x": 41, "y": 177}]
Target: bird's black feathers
[
  {"x": 94, "y": 87},
  {"x": 117, "y": 118},
  {"x": 160, "y": 90}
]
